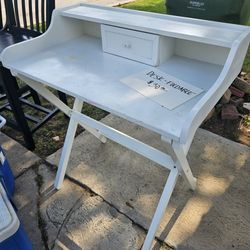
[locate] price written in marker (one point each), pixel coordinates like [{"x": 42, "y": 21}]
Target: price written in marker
[{"x": 162, "y": 88}]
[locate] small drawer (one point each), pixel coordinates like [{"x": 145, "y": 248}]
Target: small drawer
[{"x": 135, "y": 45}]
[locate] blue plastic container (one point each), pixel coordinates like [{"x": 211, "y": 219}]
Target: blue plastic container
[
  {"x": 12, "y": 233},
  {"x": 6, "y": 175},
  {"x": 18, "y": 241}
]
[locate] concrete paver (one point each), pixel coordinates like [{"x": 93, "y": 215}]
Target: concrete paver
[
  {"x": 26, "y": 199},
  {"x": 93, "y": 224},
  {"x": 215, "y": 216},
  {"x": 15, "y": 151},
  {"x": 72, "y": 218},
  {"x": 126, "y": 190},
  {"x": 77, "y": 219},
  {"x": 55, "y": 205}
]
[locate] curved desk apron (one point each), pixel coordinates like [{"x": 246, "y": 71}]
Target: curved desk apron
[{"x": 100, "y": 55}]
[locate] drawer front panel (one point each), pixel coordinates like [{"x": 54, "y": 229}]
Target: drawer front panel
[{"x": 138, "y": 46}]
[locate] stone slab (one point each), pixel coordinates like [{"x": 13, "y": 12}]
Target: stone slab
[
  {"x": 19, "y": 157},
  {"x": 229, "y": 112},
  {"x": 26, "y": 199},
  {"x": 93, "y": 224},
  {"x": 55, "y": 205},
  {"x": 226, "y": 97},
  {"x": 242, "y": 85},
  {"x": 215, "y": 216},
  {"x": 74, "y": 218}
]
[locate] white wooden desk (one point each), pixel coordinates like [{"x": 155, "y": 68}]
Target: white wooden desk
[{"x": 70, "y": 57}]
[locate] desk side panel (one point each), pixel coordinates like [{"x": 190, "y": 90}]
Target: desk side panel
[
  {"x": 231, "y": 69},
  {"x": 61, "y": 30}
]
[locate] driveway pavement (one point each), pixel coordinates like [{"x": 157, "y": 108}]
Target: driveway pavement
[
  {"x": 110, "y": 194},
  {"x": 63, "y": 3}
]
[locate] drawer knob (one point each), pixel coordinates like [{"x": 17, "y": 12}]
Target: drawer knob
[{"x": 127, "y": 45}]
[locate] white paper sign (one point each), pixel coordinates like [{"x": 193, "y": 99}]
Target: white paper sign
[
  {"x": 246, "y": 105},
  {"x": 162, "y": 88}
]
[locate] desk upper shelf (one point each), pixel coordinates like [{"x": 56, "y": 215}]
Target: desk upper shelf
[{"x": 177, "y": 27}]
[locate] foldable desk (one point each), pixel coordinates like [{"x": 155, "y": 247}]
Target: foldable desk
[{"x": 89, "y": 49}]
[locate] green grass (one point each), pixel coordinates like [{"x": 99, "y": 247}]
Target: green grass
[
  {"x": 159, "y": 7},
  {"x": 246, "y": 66},
  {"x": 57, "y": 126},
  {"x": 147, "y": 5}
]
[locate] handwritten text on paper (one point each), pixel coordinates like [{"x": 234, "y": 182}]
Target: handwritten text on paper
[{"x": 162, "y": 88}]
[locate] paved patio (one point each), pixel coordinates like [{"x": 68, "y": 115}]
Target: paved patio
[
  {"x": 64, "y": 3},
  {"x": 110, "y": 195}
]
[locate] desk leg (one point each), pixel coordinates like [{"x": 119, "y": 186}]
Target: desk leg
[
  {"x": 160, "y": 210},
  {"x": 64, "y": 159},
  {"x": 183, "y": 166}
]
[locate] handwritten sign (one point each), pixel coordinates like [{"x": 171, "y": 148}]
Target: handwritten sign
[
  {"x": 162, "y": 88},
  {"x": 246, "y": 105}
]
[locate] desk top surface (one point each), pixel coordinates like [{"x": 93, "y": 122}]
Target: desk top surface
[
  {"x": 93, "y": 76},
  {"x": 180, "y": 27}
]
